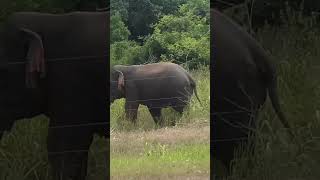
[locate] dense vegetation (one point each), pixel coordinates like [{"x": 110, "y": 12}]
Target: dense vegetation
[{"x": 150, "y": 31}]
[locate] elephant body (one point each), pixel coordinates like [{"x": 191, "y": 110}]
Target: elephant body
[
  {"x": 242, "y": 77},
  {"x": 156, "y": 86},
  {"x": 56, "y": 64}
]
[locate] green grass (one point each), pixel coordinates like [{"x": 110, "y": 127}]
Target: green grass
[
  {"x": 160, "y": 159},
  {"x": 294, "y": 48},
  {"x": 23, "y": 154}
]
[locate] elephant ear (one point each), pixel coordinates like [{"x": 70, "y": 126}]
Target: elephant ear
[
  {"x": 120, "y": 81},
  {"x": 35, "y": 58}
]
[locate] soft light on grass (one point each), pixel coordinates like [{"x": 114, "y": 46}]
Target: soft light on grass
[{"x": 161, "y": 159}]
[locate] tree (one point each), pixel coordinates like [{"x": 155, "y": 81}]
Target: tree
[
  {"x": 121, "y": 7},
  {"x": 185, "y": 37},
  {"x": 142, "y": 13},
  {"x": 119, "y": 32}
]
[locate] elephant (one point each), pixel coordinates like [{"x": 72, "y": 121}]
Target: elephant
[
  {"x": 57, "y": 65},
  {"x": 242, "y": 77},
  {"x": 155, "y": 85}
]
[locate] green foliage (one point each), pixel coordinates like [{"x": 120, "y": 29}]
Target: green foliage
[
  {"x": 142, "y": 13},
  {"x": 120, "y": 6},
  {"x": 168, "y": 6},
  {"x": 125, "y": 52},
  {"x": 119, "y": 32},
  {"x": 185, "y": 36},
  {"x": 197, "y": 7},
  {"x": 182, "y": 37}
]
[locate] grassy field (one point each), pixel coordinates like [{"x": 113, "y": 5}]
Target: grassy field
[
  {"x": 295, "y": 49},
  {"x": 144, "y": 151}
]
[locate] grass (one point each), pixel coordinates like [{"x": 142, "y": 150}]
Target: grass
[
  {"x": 294, "y": 48},
  {"x": 144, "y": 151},
  {"x": 162, "y": 159},
  {"x": 23, "y": 153},
  {"x": 159, "y": 159}
]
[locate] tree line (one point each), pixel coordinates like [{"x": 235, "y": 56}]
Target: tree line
[{"x": 144, "y": 31}]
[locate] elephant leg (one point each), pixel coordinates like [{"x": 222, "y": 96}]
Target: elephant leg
[
  {"x": 68, "y": 152},
  {"x": 156, "y": 115},
  {"x": 180, "y": 110},
  {"x": 131, "y": 110},
  {"x": 229, "y": 131}
]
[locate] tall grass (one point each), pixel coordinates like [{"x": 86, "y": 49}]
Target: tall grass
[
  {"x": 23, "y": 152},
  {"x": 295, "y": 49}
]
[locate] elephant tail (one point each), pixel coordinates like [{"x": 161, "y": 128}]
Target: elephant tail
[
  {"x": 194, "y": 87},
  {"x": 273, "y": 95},
  {"x": 270, "y": 76}
]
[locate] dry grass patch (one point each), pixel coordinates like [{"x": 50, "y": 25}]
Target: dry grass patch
[
  {"x": 180, "y": 152},
  {"x": 134, "y": 141}
]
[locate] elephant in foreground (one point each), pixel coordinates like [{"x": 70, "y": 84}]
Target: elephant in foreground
[
  {"x": 156, "y": 86},
  {"x": 56, "y": 64},
  {"x": 242, "y": 77}
]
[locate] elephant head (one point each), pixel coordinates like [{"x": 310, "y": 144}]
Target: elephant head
[
  {"x": 23, "y": 45},
  {"x": 117, "y": 86},
  {"x": 20, "y": 49}
]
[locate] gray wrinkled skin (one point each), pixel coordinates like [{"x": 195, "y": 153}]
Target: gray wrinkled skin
[
  {"x": 156, "y": 86},
  {"x": 71, "y": 92}
]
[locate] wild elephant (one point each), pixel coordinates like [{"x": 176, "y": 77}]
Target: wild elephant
[
  {"x": 242, "y": 77},
  {"x": 56, "y": 64},
  {"x": 156, "y": 86}
]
